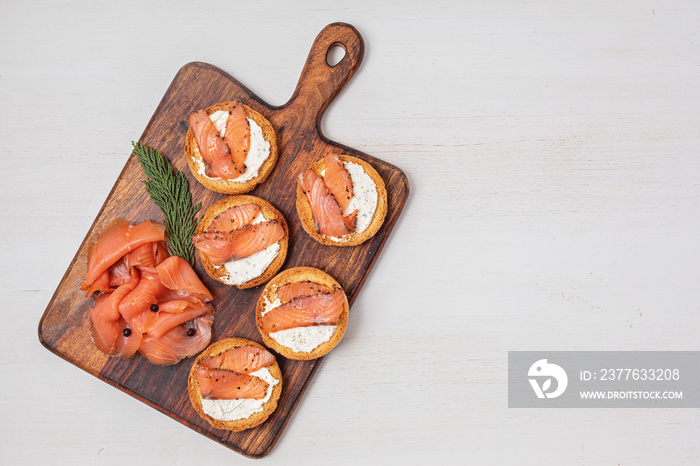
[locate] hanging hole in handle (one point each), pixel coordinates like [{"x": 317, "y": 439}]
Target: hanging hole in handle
[{"x": 335, "y": 55}]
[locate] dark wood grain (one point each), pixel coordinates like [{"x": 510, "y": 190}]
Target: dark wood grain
[{"x": 64, "y": 327}]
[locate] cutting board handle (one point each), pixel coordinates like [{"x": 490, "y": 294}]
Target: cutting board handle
[{"x": 319, "y": 82}]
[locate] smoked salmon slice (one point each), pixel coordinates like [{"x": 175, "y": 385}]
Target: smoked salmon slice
[
  {"x": 221, "y": 384},
  {"x": 287, "y": 292},
  {"x": 221, "y": 247},
  {"x": 135, "y": 307},
  {"x": 212, "y": 147},
  {"x": 102, "y": 283},
  {"x": 183, "y": 341},
  {"x": 237, "y": 135},
  {"x": 160, "y": 252},
  {"x": 118, "y": 275},
  {"x": 242, "y": 359},
  {"x": 116, "y": 240},
  {"x": 324, "y": 207},
  {"x": 147, "y": 255},
  {"x": 143, "y": 256},
  {"x": 166, "y": 321},
  {"x": 234, "y": 218},
  {"x": 104, "y": 317},
  {"x": 306, "y": 311},
  {"x": 176, "y": 306},
  {"x": 338, "y": 180},
  {"x": 176, "y": 274},
  {"x": 172, "y": 280},
  {"x": 128, "y": 340}
]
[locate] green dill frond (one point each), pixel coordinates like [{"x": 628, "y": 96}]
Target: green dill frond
[{"x": 169, "y": 190}]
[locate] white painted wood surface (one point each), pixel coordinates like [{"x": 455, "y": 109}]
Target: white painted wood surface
[{"x": 553, "y": 151}]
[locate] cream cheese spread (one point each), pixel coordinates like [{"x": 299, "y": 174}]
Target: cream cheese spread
[
  {"x": 233, "y": 410},
  {"x": 304, "y": 339},
  {"x": 300, "y": 339},
  {"x": 364, "y": 198},
  {"x": 248, "y": 268},
  {"x": 258, "y": 153}
]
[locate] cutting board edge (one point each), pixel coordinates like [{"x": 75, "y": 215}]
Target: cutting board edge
[{"x": 402, "y": 180}]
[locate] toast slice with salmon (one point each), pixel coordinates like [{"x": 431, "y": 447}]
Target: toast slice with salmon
[
  {"x": 230, "y": 148},
  {"x": 341, "y": 200},
  {"x": 235, "y": 384},
  {"x": 302, "y": 313},
  {"x": 242, "y": 241}
]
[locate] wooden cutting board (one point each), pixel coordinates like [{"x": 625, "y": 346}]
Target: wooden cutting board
[{"x": 64, "y": 327}]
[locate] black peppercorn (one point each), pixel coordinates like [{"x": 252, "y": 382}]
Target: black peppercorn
[
  {"x": 126, "y": 332},
  {"x": 154, "y": 308},
  {"x": 190, "y": 332}
]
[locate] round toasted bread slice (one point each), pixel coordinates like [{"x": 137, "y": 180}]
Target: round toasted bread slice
[
  {"x": 353, "y": 238},
  {"x": 259, "y": 411},
  {"x": 246, "y": 182},
  {"x": 306, "y": 342},
  {"x": 221, "y": 273}
]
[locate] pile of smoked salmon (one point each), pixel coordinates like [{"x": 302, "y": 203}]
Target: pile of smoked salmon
[{"x": 150, "y": 302}]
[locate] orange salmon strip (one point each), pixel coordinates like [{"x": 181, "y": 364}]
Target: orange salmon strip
[
  {"x": 304, "y": 312},
  {"x": 221, "y": 384},
  {"x": 243, "y": 359},
  {"x": 237, "y": 244}
]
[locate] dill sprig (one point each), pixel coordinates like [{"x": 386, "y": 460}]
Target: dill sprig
[{"x": 169, "y": 190}]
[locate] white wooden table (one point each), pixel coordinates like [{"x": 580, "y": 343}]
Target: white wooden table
[{"x": 553, "y": 151}]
